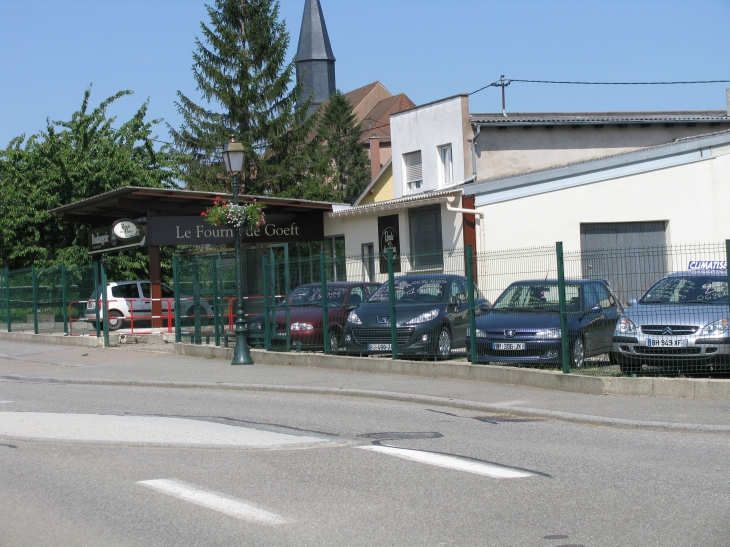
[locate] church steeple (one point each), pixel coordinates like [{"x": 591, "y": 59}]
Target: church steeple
[{"x": 315, "y": 60}]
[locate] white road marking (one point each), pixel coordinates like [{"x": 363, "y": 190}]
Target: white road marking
[
  {"x": 451, "y": 462},
  {"x": 212, "y": 500},
  {"x": 147, "y": 431}
]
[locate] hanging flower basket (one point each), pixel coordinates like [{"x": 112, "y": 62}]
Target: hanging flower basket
[{"x": 224, "y": 213}]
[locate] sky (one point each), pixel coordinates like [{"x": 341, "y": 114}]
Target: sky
[{"x": 52, "y": 50}]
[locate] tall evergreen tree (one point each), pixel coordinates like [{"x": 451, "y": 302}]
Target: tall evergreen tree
[
  {"x": 241, "y": 72},
  {"x": 341, "y": 150}
]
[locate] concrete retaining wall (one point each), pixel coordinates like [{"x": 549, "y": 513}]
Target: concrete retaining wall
[{"x": 688, "y": 388}]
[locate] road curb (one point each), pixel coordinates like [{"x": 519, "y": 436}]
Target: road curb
[
  {"x": 687, "y": 388},
  {"x": 390, "y": 396}
]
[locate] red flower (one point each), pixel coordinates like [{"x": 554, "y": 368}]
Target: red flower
[{"x": 203, "y": 214}]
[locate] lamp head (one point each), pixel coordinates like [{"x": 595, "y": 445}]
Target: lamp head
[{"x": 233, "y": 153}]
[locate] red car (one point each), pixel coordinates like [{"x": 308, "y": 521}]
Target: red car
[{"x": 305, "y": 315}]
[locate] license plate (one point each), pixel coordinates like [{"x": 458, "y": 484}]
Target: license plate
[
  {"x": 380, "y": 347},
  {"x": 508, "y": 346},
  {"x": 666, "y": 343}
]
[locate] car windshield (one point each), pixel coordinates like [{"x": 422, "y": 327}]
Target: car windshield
[
  {"x": 312, "y": 296},
  {"x": 691, "y": 289},
  {"x": 538, "y": 297},
  {"x": 430, "y": 290}
]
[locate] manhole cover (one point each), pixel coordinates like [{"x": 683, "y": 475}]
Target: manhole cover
[
  {"x": 504, "y": 419},
  {"x": 392, "y": 436}
]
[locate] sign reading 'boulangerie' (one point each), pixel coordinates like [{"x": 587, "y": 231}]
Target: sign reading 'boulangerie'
[{"x": 279, "y": 228}]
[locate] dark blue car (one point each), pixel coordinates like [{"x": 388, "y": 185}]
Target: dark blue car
[
  {"x": 523, "y": 326},
  {"x": 432, "y": 316}
]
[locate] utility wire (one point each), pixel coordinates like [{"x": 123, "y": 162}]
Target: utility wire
[{"x": 507, "y": 82}]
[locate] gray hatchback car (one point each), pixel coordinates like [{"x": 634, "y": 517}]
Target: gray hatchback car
[{"x": 681, "y": 323}]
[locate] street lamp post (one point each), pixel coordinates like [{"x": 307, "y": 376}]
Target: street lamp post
[{"x": 233, "y": 157}]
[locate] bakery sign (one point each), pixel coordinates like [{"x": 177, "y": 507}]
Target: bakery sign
[
  {"x": 123, "y": 234},
  {"x": 389, "y": 239},
  {"x": 279, "y": 228}
]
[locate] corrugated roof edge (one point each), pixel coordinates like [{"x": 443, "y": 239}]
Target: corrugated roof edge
[
  {"x": 417, "y": 107},
  {"x": 559, "y": 171},
  {"x": 576, "y": 118}
]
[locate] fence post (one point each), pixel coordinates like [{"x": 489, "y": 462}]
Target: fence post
[
  {"x": 7, "y": 292},
  {"x": 325, "y": 315},
  {"x": 214, "y": 276},
  {"x": 176, "y": 282},
  {"x": 104, "y": 301},
  {"x": 287, "y": 289},
  {"x": 196, "y": 301},
  {"x": 391, "y": 299},
  {"x": 564, "y": 346},
  {"x": 34, "y": 277},
  {"x": 64, "y": 298},
  {"x": 727, "y": 266},
  {"x": 97, "y": 298},
  {"x": 267, "y": 321},
  {"x": 472, "y": 312}
]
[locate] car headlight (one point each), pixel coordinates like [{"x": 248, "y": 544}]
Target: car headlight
[
  {"x": 255, "y": 326},
  {"x": 548, "y": 334},
  {"x": 479, "y": 333},
  {"x": 625, "y": 326},
  {"x": 717, "y": 328},
  {"x": 423, "y": 318},
  {"x": 354, "y": 319},
  {"x": 302, "y": 326}
]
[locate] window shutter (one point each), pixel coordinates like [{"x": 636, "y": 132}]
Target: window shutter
[{"x": 414, "y": 166}]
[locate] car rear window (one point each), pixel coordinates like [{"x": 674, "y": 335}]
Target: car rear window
[{"x": 128, "y": 290}]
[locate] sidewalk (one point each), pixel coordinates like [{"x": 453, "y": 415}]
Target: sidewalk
[{"x": 23, "y": 361}]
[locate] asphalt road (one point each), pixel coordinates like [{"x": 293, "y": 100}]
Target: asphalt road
[{"x": 146, "y": 467}]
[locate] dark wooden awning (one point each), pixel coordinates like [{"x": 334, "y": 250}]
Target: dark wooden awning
[{"x": 136, "y": 202}]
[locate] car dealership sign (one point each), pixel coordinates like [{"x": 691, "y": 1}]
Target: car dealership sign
[
  {"x": 123, "y": 234},
  {"x": 279, "y": 228}
]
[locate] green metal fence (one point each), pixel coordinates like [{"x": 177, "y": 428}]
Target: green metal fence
[
  {"x": 45, "y": 300},
  {"x": 659, "y": 310}
]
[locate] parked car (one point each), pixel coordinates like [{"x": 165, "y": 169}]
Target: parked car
[
  {"x": 305, "y": 315},
  {"x": 681, "y": 321},
  {"x": 432, "y": 314},
  {"x": 128, "y": 299},
  {"x": 523, "y": 326}
]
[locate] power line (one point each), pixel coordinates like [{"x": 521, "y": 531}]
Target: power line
[{"x": 506, "y": 82}]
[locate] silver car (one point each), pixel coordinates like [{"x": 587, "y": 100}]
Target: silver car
[{"x": 681, "y": 323}]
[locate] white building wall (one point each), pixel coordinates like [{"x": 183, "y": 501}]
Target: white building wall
[
  {"x": 427, "y": 128},
  {"x": 694, "y": 200}
]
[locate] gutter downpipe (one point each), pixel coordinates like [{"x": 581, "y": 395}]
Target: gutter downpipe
[{"x": 474, "y": 151}]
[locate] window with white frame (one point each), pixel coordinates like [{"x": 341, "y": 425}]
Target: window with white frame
[
  {"x": 413, "y": 166},
  {"x": 446, "y": 164}
]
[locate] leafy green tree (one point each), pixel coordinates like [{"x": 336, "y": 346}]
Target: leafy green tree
[
  {"x": 70, "y": 161},
  {"x": 241, "y": 72}
]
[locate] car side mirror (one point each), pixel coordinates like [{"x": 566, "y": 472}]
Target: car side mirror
[
  {"x": 631, "y": 301},
  {"x": 484, "y": 308}
]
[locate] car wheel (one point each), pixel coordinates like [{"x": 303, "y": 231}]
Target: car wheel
[
  {"x": 443, "y": 349},
  {"x": 116, "y": 320},
  {"x": 335, "y": 341},
  {"x": 578, "y": 354},
  {"x": 190, "y": 314}
]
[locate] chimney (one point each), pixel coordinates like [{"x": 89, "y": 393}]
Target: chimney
[
  {"x": 727, "y": 100},
  {"x": 375, "y": 156}
]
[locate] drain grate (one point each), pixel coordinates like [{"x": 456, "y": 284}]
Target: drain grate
[{"x": 393, "y": 436}]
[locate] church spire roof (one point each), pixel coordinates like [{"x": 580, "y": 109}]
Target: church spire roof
[{"x": 314, "y": 42}]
